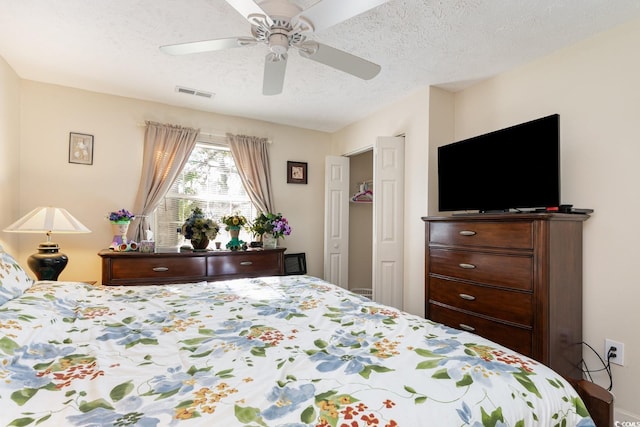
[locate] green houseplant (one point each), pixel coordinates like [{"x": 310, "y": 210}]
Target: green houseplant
[{"x": 269, "y": 227}]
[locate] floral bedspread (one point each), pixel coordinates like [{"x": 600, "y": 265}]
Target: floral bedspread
[{"x": 277, "y": 351}]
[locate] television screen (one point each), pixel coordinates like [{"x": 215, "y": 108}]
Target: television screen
[{"x": 513, "y": 168}]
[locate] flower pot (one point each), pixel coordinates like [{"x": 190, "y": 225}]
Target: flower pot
[
  {"x": 200, "y": 245},
  {"x": 235, "y": 243},
  {"x": 119, "y": 230},
  {"x": 269, "y": 241}
]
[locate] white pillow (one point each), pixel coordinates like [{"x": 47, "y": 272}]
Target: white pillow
[{"x": 13, "y": 279}]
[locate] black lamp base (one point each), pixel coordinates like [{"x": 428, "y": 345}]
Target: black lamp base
[{"x": 48, "y": 263}]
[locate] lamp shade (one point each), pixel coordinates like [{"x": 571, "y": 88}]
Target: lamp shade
[
  {"x": 48, "y": 263},
  {"x": 47, "y": 220}
]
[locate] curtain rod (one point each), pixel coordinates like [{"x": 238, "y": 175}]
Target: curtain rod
[{"x": 217, "y": 134}]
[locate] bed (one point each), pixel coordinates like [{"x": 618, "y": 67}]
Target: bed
[{"x": 270, "y": 351}]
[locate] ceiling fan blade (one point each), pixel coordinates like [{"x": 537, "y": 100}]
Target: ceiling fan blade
[
  {"x": 327, "y": 13},
  {"x": 207, "y": 45},
  {"x": 274, "y": 70},
  {"x": 246, "y": 8},
  {"x": 339, "y": 60}
]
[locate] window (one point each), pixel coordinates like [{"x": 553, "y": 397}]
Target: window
[{"x": 210, "y": 181}]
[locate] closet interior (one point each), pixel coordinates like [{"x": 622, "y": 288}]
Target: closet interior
[{"x": 361, "y": 223}]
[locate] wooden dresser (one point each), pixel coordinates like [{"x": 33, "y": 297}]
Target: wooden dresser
[
  {"x": 135, "y": 268},
  {"x": 515, "y": 279}
]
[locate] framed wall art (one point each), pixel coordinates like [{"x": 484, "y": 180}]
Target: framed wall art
[
  {"x": 296, "y": 173},
  {"x": 80, "y": 148}
]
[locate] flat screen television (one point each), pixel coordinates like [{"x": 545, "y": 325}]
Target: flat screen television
[{"x": 516, "y": 168}]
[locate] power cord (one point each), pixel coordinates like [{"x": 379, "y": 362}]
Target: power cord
[{"x": 606, "y": 366}]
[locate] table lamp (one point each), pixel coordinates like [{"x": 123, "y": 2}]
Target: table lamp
[{"x": 48, "y": 263}]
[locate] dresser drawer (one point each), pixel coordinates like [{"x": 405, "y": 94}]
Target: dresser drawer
[
  {"x": 136, "y": 268},
  {"x": 513, "y": 337},
  {"x": 510, "y": 271},
  {"x": 150, "y": 268},
  {"x": 512, "y": 235},
  {"x": 245, "y": 264},
  {"x": 515, "y": 307}
]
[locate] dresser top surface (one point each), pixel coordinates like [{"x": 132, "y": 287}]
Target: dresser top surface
[
  {"x": 186, "y": 253},
  {"x": 510, "y": 216}
]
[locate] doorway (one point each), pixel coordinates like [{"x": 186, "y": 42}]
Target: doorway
[
  {"x": 361, "y": 223},
  {"x": 387, "y": 222}
]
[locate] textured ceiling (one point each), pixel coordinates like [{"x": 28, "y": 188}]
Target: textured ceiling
[{"x": 111, "y": 46}]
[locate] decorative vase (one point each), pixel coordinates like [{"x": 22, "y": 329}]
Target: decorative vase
[
  {"x": 200, "y": 244},
  {"x": 119, "y": 229},
  {"x": 269, "y": 241},
  {"x": 235, "y": 243}
]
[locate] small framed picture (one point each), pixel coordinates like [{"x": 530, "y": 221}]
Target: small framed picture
[
  {"x": 296, "y": 173},
  {"x": 80, "y": 148}
]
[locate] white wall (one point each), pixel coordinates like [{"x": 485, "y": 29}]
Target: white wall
[
  {"x": 595, "y": 87},
  {"x": 9, "y": 153},
  {"x": 50, "y": 112},
  {"x": 411, "y": 118}
]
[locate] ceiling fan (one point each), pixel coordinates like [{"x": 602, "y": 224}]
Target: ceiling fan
[{"x": 281, "y": 24}]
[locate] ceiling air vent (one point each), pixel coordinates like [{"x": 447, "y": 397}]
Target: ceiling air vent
[{"x": 194, "y": 92}]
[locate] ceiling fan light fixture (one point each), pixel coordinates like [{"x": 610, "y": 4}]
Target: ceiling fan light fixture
[{"x": 278, "y": 43}]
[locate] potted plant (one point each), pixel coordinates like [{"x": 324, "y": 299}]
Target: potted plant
[
  {"x": 233, "y": 224},
  {"x": 199, "y": 229},
  {"x": 120, "y": 221},
  {"x": 257, "y": 228},
  {"x": 270, "y": 227}
]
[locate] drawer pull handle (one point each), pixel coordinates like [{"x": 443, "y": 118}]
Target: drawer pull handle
[
  {"x": 467, "y": 233},
  {"x": 246, "y": 263},
  {"x": 467, "y": 266},
  {"x": 467, "y": 297},
  {"x": 160, "y": 269},
  {"x": 467, "y": 327}
]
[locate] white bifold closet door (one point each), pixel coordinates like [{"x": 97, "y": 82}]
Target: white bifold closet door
[{"x": 388, "y": 225}]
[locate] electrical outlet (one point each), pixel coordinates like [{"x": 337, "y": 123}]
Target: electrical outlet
[{"x": 619, "y": 352}]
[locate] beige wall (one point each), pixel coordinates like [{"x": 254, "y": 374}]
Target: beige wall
[
  {"x": 411, "y": 118},
  {"x": 50, "y": 112},
  {"x": 595, "y": 88},
  {"x": 441, "y": 129},
  {"x": 9, "y": 152}
]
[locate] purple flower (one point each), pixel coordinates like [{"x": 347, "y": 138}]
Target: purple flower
[
  {"x": 281, "y": 227},
  {"x": 271, "y": 223},
  {"x": 121, "y": 215}
]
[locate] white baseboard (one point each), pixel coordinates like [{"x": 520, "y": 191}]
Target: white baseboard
[{"x": 622, "y": 417}]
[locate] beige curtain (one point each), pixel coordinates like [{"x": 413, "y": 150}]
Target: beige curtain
[
  {"x": 251, "y": 155},
  {"x": 166, "y": 150}
]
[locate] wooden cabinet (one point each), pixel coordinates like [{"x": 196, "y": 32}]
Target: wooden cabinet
[
  {"x": 135, "y": 268},
  {"x": 515, "y": 279}
]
